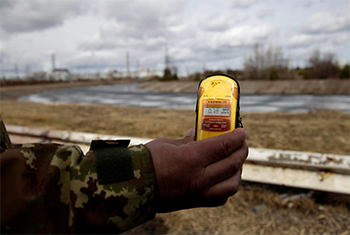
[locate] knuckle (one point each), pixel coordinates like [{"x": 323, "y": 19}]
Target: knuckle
[
  {"x": 235, "y": 164},
  {"x": 225, "y": 147},
  {"x": 228, "y": 145},
  {"x": 234, "y": 167},
  {"x": 243, "y": 154},
  {"x": 234, "y": 187},
  {"x": 246, "y": 148}
]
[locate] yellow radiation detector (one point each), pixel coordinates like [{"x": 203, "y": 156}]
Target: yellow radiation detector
[{"x": 217, "y": 106}]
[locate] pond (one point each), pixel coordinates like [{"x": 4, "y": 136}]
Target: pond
[{"x": 130, "y": 95}]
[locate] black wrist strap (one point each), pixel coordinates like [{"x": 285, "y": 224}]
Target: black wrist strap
[{"x": 113, "y": 161}]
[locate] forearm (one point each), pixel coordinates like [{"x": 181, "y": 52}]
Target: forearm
[{"x": 54, "y": 189}]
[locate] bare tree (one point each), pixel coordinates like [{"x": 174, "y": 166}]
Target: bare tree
[
  {"x": 322, "y": 66},
  {"x": 266, "y": 64}
]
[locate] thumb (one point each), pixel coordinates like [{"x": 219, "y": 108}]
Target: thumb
[{"x": 190, "y": 136}]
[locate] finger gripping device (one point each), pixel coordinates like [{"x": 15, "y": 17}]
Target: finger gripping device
[{"x": 217, "y": 106}]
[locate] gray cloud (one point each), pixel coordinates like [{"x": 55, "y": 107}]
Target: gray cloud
[
  {"x": 97, "y": 34},
  {"x": 264, "y": 13},
  {"x": 93, "y": 62},
  {"x": 25, "y": 16},
  {"x": 326, "y": 22},
  {"x": 243, "y": 35},
  {"x": 7, "y": 4},
  {"x": 114, "y": 38},
  {"x": 3, "y": 57},
  {"x": 142, "y": 25},
  {"x": 245, "y": 3},
  {"x": 303, "y": 40},
  {"x": 217, "y": 22},
  {"x": 143, "y": 18}
]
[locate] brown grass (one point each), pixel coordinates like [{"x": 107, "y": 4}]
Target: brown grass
[
  {"x": 255, "y": 209},
  {"x": 324, "y": 131}
]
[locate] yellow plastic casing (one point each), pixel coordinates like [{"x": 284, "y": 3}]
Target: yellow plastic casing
[{"x": 217, "y": 106}]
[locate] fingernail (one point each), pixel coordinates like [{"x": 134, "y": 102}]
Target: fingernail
[{"x": 191, "y": 132}]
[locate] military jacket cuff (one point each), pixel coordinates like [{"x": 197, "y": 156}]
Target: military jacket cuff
[
  {"x": 145, "y": 183},
  {"x": 138, "y": 186}
]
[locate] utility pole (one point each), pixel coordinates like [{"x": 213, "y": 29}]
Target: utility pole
[
  {"x": 167, "y": 58},
  {"x": 127, "y": 64},
  {"x": 53, "y": 62},
  {"x": 138, "y": 68},
  {"x": 16, "y": 71},
  {"x": 28, "y": 71}
]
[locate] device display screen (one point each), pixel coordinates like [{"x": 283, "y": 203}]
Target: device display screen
[{"x": 217, "y": 111}]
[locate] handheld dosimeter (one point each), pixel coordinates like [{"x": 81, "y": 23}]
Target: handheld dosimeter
[{"x": 217, "y": 107}]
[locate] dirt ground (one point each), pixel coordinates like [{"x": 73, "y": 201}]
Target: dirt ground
[{"x": 256, "y": 208}]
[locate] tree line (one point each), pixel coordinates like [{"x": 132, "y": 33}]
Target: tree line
[{"x": 271, "y": 64}]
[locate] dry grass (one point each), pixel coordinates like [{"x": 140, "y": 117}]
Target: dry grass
[
  {"x": 324, "y": 132},
  {"x": 104, "y": 119},
  {"x": 255, "y": 209}
]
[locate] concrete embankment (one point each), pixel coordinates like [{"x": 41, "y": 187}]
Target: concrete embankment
[{"x": 321, "y": 87}]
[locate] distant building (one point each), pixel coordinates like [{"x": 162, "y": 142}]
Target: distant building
[
  {"x": 60, "y": 74},
  {"x": 112, "y": 74},
  {"x": 39, "y": 75},
  {"x": 145, "y": 73},
  {"x": 141, "y": 73}
]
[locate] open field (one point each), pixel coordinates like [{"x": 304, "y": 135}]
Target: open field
[
  {"x": 255, "y": 209},
  {"x": 323, "y": 132}
]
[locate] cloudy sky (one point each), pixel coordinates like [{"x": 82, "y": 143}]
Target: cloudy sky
[{"x": 94, "y": 36}]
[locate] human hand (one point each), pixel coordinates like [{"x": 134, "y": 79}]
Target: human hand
[{"x": 198, "y": 173}]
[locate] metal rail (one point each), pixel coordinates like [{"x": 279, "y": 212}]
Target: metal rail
[{"x": 315, "y": 171}]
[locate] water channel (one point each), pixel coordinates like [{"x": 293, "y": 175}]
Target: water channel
[{"x": 130, "y": 95}]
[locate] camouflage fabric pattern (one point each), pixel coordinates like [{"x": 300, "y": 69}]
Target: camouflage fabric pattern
[
  {"x": 5, "y": 142},
  {"x": 51, "y": 188}
]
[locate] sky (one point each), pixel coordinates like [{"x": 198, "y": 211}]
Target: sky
[{"x": 88, "y": 36}]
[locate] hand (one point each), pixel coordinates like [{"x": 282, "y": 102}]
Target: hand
[{"x": 198, "y": 173}]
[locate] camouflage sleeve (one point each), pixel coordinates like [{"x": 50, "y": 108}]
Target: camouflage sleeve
[
  {"x": 5, "y": 142},
  {"x": 50, "y": 188}
]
